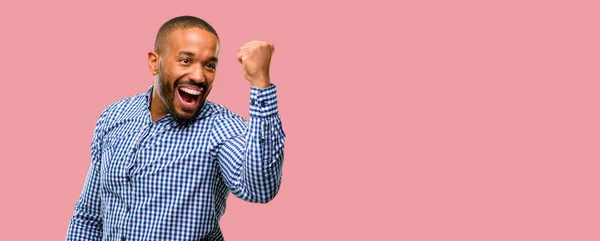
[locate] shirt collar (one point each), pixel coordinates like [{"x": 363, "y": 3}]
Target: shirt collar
[{"x": 149, "y": 97}]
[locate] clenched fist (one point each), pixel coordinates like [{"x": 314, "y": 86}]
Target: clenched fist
[{"x": 255, "y": 57}]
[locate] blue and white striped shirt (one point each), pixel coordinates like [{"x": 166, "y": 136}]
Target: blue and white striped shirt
[{"x": 169, "y": 180}]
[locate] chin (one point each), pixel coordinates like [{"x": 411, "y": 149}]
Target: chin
[{"x": 185, "y": 115}]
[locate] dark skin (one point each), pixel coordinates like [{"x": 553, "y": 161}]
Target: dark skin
[{"x": 188, "y": 60}]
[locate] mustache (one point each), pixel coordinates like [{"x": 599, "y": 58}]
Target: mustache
[{"x": 179, "y": 82}]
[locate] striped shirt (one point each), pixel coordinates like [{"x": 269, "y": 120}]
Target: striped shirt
[{"x": 169, "y": 180}]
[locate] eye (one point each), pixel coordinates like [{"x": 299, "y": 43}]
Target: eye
[
  {"x": 212, "y": 66},
  {"x": 184, "y": 61}
]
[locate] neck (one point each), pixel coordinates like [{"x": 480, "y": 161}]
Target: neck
[{"x": 157, "y": 107}]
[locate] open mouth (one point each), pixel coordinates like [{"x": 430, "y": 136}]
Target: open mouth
[{"x": 190, "y": 96}]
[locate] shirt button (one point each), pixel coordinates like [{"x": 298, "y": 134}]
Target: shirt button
[
  {"x": 262, "y": 103},
  {"x": 134, "y": 150},
  {"x": 122, "y": 238}
]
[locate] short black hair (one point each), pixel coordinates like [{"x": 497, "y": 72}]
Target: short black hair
[{"x": 181, "y": 22}]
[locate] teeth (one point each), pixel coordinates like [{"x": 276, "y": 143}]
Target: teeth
[{"x": 190, "y": 91}]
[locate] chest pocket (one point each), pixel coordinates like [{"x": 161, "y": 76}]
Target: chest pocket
[{"x": 115, "y": 150}]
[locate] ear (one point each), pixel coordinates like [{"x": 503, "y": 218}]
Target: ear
[{"x": 153, "y": 62}]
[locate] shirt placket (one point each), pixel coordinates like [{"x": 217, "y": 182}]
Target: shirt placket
[{"x": 127, "y": 199}]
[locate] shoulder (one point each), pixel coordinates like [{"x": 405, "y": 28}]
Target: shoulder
[
  {"x": 225, "y": 121},
  {"x": 220, "y": 111},
  {"x": 122, "y": 107}
]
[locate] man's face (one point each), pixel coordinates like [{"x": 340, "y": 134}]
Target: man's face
[{"x": 186, "y": 72}]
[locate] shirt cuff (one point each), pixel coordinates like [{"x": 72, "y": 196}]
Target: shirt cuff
[{"x": 263, "y": 102}]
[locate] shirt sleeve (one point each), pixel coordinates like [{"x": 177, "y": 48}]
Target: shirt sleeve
[
  {"x": 251, "y": 158},
  {"x": 86, "y": 222}
]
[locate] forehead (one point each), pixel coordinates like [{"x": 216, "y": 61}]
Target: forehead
[{"x": 194, "y": 40}]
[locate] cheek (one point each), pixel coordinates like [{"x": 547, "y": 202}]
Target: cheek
[
  {"x": 211, "y": 75},
  {"x": 168, "y": 71},
  {"x": 209, "y": 89},
  {"x": 166, "y": 80}
]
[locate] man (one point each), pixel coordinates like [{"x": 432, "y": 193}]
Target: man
[{"x": 164, "y": 161}]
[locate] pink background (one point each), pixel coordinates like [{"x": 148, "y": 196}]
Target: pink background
[{"x": 436, "y": 120}]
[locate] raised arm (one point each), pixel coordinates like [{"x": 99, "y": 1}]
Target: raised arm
[{"x": 251, "y": 157}]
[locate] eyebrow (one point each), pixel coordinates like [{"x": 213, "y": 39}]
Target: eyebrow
[
  {"x": 213, "y": 59},
  {"x": 183, "y": 52},
  {"x": 189, "y": 53}
]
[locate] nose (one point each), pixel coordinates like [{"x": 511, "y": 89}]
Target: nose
[{"x": 196, "y": 74}]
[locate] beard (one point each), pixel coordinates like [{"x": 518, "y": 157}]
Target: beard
[{"x": 166, "y": 93}]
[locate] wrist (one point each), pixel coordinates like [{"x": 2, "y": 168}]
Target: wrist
[{"x": 260, "y": 83}]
